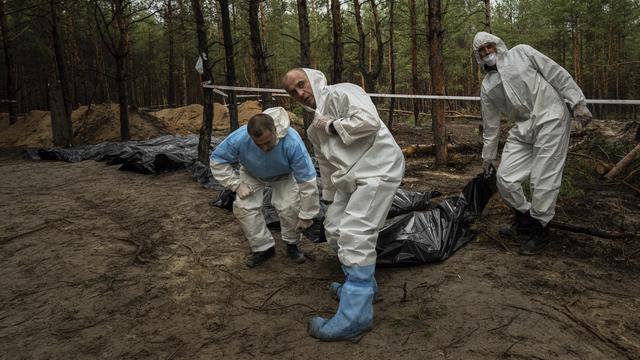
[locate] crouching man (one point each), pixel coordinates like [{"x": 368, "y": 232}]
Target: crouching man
[{"x": 270, "y": 153}]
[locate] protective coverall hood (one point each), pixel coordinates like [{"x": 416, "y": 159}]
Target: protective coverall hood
[
  {"x": 319, "y": 87},
  {"x": 281, "y": 120},
  {"x": 482, "y": 38}
]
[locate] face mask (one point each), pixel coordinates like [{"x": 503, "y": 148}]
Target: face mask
[{"x": 490, "y": 59}]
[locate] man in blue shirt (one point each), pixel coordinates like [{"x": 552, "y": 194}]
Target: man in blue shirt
[{"x": 270, "y": 153}]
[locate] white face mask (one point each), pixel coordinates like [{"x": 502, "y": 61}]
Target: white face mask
[{"x": 490, "y": 59}]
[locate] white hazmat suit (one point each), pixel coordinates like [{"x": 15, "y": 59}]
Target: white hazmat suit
[
  {"x": 531, "y": 89},
  {"x": 287, "y": 169},
  {"x": 361, "y": 168}
]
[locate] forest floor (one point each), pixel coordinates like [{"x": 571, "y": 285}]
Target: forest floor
[{"x": 101, "y": 263}]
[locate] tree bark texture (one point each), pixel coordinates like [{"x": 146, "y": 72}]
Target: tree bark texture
[
  {"x": 305, "y": 50},
  {"x": 204, "y": 142},
  {"x": 336, "y": 74},
  {"x": 12, "y": 79},
  {"x": 414, "y": 60},
  {"x": 436, "y": 66},
  {"x": 259, "y": 55},
  {"x": 60, "y": 126},
  {"x": 303, "y": 27},
  {"x": 171, "y": 91},
  {"x": 487, "y": 16},
  {"x": 392, "y": 64},
  {"x": 230, "y": 70},
  {"x": 62, "y": 133}
]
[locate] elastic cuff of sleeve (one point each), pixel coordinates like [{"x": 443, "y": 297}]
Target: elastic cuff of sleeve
[{"x": 346, "y": 138}]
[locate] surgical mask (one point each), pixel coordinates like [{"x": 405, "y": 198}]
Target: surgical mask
[{"x": 490, "y": 59}]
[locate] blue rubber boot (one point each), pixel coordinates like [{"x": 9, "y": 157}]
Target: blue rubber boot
[{"x": 355, "y": 312}]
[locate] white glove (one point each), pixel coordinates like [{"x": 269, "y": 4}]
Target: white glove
[
  {"x": 243, "y": 190},
  {"x": 583, "y": 115},
  {"x": 323, "y": 123},
  {"x": 304, "y": 224}
]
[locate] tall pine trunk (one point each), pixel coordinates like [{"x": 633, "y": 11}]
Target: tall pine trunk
[
  {"x": 305, "y": 49},
  {"x": 414, "y": 60},
  {"x": 262, "y": 71},
  {"x": 121, "y": 67},
  {"x": 392, "y": 65},
  {"x": 336, "y": 73},
  {"x": 436, "y": 66},
  {"x": 171, "y": 93},
  {"x": 230, "y": 67},
  {"x": 207, "y": 78},
  {"x": 487, "y": 16},
  {"x": 61, "y": 113},
  {"x": 12, "y": 79}
]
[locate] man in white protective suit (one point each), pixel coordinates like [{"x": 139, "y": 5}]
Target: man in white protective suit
[
  {"x": 532, "y": 90},
  {"x": 361, "y": 167},
  {"x": 270, "y": 153}
]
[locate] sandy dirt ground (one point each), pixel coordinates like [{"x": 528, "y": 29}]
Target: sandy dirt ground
[{"x": 101, "y": 263}]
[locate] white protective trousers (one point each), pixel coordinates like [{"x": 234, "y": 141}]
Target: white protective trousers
[
  {"x": 541, "y": 161},
  {"x": 353, "y": 220},
  {"x": 248, "y": 211}
]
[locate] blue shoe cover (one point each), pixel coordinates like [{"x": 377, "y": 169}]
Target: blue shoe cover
[
  {"x": 336, "y": 288},
  {"x": 355, "y": 312}
]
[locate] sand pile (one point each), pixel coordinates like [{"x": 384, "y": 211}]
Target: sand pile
[
  {"x": 90, "y": 126},
  {"x": 188, "y": 119},
  {"x": 102, "y": 123}
]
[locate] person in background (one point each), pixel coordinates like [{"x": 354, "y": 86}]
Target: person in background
[{"x": 532, "y": 90}]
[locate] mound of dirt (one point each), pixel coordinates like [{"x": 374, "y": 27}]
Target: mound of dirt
[
  {"x": 188, "y": 119},
  {"x": 101, "y": 123},
  {"x": 90, "y": 126}
]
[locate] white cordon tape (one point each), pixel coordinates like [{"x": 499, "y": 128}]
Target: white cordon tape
[{"x": 281, "y": 92}]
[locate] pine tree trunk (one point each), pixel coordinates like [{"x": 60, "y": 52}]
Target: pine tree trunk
[
  {"x": 171, "y": 93},
  {"x": 183, "y": 54},
  {"x": 436, "y": 66},
  {"x": 336, "y": 74},
  {"x": 207, "y": 114},
  {"x": 414, "y": 60},
  {"x": 305, "y": 50},
  {"x": 230, "y": 70},
  {"x": 121, "y": 68},
  {"x": 12, "y": 79},
  {"x": 303, "y": 27},
  {"x": 487, "y": 16},
  {"x": 259, "y": 55},
  {"x": 392, "y": 65},
  {"x": 62, "y": 132}
]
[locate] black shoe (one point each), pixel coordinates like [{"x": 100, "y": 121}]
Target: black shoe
[
  {"x": 538, "y": 240},
  {"x": 521, "y": 225},
  {"x": 258, "y": 257},
  {"x": 294, "y": 254}
]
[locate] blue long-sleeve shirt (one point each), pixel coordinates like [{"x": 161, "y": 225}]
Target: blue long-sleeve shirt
[{"x": 288, "y": 156}]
